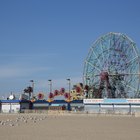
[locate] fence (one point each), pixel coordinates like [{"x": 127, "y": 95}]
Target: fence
[{"x": 113, "y": 108}]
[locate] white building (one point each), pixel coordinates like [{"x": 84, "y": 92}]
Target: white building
[{"x": 14, "y": 106}]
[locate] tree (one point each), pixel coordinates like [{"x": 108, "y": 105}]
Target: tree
[{"x": 28, "y": 90}]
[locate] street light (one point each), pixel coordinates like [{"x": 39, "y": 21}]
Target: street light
[
  {"x": 69, "y": 82},
  {"x": 32, "y": 81},
  {"x": 50, "y": 83}
]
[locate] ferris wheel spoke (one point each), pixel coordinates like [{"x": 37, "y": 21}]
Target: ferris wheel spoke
[
  {"x": 123, "y": 74},
  {"x": 132, "y": 88},
  {"x": 93, "y": 66},
  {"x": 133, "y": 59},
  {"x": 136, "y": 52},
  {"x": 102, "y": 50},
  {"x": 96, "y": 57},
  {"x": 132, "y": 45},
  {"x": 115, "y": 41}
]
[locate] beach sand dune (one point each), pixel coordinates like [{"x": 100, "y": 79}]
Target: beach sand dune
[{"x": 68, "y": 127}]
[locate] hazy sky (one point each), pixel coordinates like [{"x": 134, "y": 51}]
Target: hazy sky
[{"x": 49, "y": 39}]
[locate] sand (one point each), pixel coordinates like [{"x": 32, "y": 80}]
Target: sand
[{"x": 68, "y": 127}]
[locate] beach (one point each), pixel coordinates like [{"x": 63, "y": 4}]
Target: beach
[{"x": 68, "y": 127}]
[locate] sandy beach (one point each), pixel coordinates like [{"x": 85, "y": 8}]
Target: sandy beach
[{"x": 68, "y": 127}]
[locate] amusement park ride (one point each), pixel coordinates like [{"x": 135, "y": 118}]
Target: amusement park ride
[
  {"x": 111, "y": 70},
  {"x": 75, "y": 94}
]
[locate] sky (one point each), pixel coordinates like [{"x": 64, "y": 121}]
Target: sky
[{"x": 50, "y": 39}]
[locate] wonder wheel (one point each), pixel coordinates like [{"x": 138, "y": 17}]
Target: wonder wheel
[{"x": 112, "y": 67}]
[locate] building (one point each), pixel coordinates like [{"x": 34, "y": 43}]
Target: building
[
  {"x": 122, "y": 105},
  {"x": 14, "y": 106},
  {"x": 58, "y": 105}
]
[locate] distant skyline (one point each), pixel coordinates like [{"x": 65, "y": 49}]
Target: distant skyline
[{"x": 50, "y": 39}]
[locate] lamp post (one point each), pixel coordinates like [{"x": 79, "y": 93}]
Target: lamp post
[
  {"x": 69, "y": 83},
  {"x": 32, "y": 81},
  {"x": 50, "y": 83}
]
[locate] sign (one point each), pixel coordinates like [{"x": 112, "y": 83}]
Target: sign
[
  {"x": 40, "y": 105},
  {"x": 115, "y": 101},
  {"x": 76, "y": 104},
  {"x": 111, "y": 101},
  {"x": 93, "y": 101},
  {"x": 133, "y": 100}
]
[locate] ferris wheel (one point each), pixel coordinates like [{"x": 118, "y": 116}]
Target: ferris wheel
[{"x": 112, "y": 67}]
